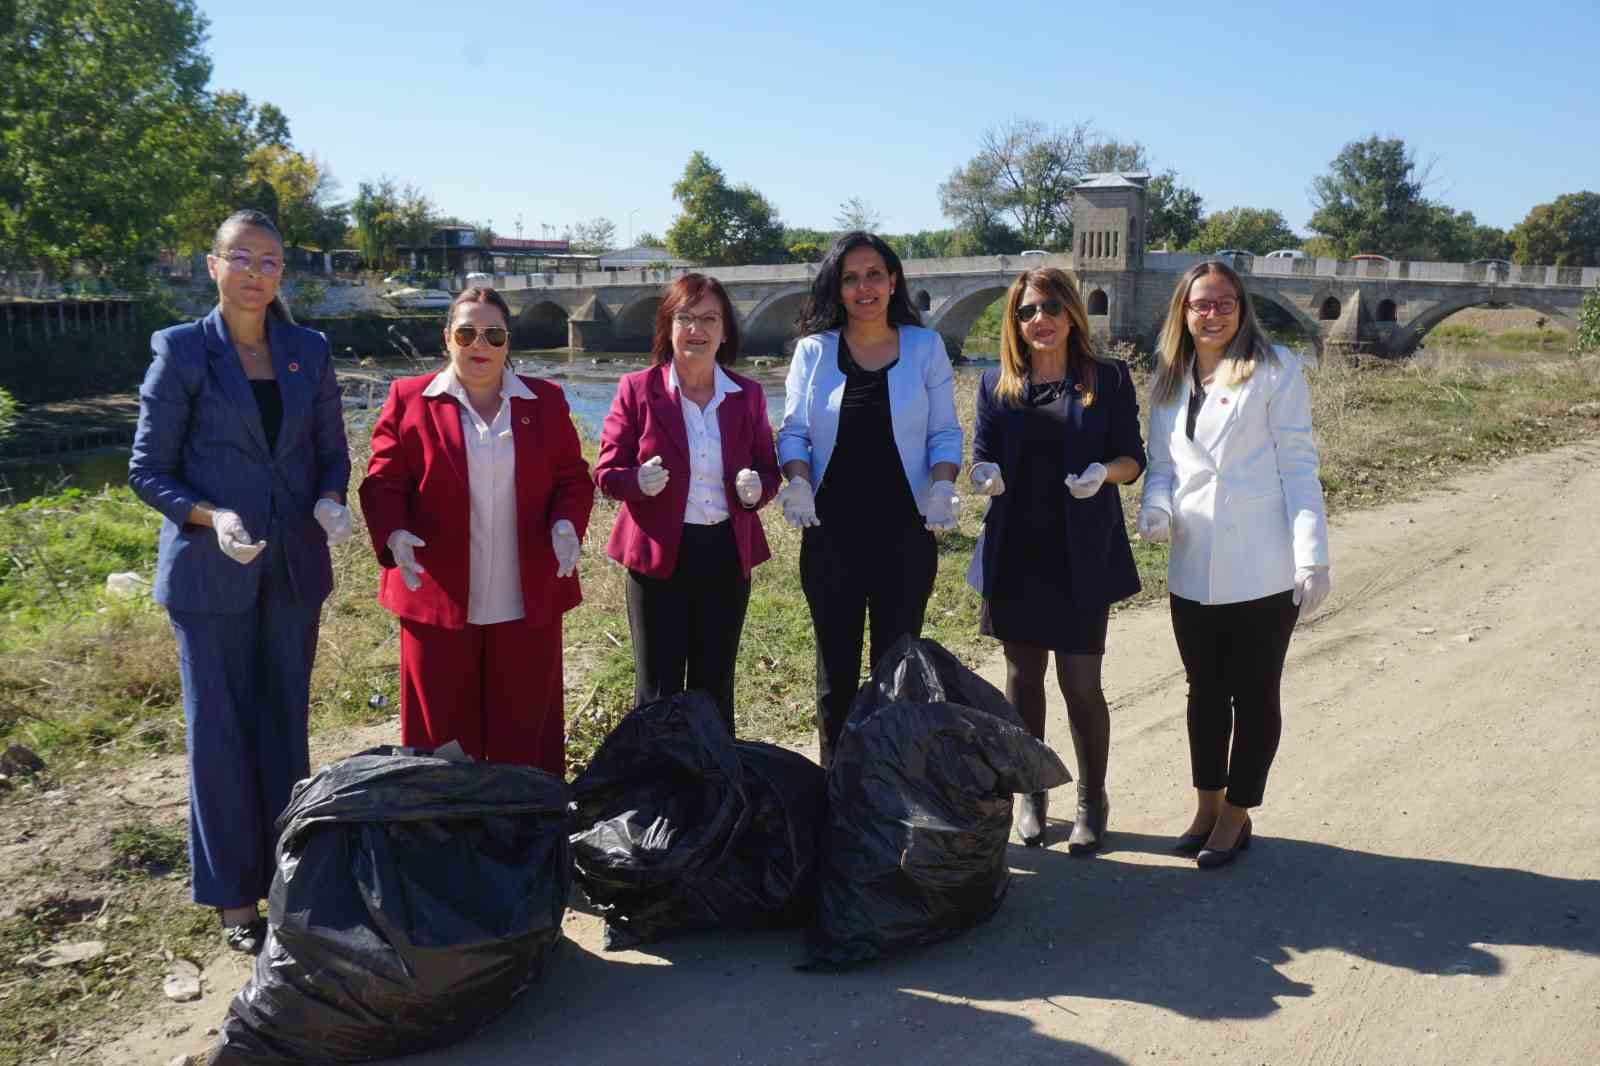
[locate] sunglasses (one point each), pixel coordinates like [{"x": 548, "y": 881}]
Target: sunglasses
[
  {"x": 239, "y": 259},
  {"x": 467, "y": 336},
  {"x": 1026, "y": 312}
]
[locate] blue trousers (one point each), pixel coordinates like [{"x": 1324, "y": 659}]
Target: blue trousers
[{"x": 246, "y": 692}]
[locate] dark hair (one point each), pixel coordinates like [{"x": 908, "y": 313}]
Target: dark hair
[
  {"x": 478, "y": 294},
  {"x": 681, "y": 293},
  {"x": 824, "y": 310},
  {"x": 249, "y": 216}
]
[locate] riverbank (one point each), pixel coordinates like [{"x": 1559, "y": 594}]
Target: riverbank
[{"x": 88, "y": 681}]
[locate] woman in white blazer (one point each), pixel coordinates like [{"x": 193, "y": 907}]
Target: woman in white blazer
[
  {"x": 1233, "y": 482},
  {"x": 870, "y": 445}
]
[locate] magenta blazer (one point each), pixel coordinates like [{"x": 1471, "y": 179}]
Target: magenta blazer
[{"x": 645, "y": 420}]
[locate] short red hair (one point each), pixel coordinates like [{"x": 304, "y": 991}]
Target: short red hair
[{"x": 681, "y": 293}]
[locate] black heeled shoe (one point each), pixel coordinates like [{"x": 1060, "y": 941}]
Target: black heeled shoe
[
  {"x": 1211, "y": 858},
  {"x": 248, "y": 938},
  {"x": 1031, "y": 810},
  {"x": 1089, "y": 825},
  {"x": 1191, "y": 844}
]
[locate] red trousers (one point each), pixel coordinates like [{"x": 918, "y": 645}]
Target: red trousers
[{"x": 495, "y": 688}]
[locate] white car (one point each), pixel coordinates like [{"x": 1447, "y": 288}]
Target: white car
[
  {"x": 420, "y": 299},
  {"x": 1288, "y": 253},
  {"x": 485, "y": 281}
]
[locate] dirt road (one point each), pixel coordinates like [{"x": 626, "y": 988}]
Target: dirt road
[{"x": 1425, "y": 886}]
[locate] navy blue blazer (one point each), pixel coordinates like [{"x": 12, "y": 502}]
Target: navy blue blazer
[
  {"x": 200, "y": 438},
  {"x": 1101, "y": 559}
]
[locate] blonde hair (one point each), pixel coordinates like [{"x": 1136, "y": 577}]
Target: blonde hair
[
  {"x": 1016, "y": 358},
  {"x": 1175, "y": 347}
]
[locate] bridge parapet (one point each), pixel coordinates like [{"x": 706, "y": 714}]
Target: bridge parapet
[{"x": 1399, "y": 270}]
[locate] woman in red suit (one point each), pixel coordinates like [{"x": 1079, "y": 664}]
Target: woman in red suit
[
  {"x": 476, "y": 499},
  {"x": 688, "y": 449}
]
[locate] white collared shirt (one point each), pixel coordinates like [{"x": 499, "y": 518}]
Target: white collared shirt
[
  {"x": 708, "y": 496},
  {"x": 494, "y": 591}
]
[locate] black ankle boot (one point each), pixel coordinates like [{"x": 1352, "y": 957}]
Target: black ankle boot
[
  {"x": 1031, "y": 809},
  {"x": 1089, "y": 826}
]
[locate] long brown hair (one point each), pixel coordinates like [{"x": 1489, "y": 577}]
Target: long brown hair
[
  {"x": 1175, "y": 348},
  {"x": 1016, "y": 358}
]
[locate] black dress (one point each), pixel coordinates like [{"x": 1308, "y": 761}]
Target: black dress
[{"x": 1030, "y": 597}]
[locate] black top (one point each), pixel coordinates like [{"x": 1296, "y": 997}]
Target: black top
[
  {"x": 269, "y": 403},
  {"x": 1036, "y": 537},
  {"x": 865, "y": 487},
  {"x": 1197, "y": 397}
]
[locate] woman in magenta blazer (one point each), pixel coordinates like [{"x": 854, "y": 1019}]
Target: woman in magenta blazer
[
  {"x": 476, "y": 498},
  {"x": 688, "y": 449}
]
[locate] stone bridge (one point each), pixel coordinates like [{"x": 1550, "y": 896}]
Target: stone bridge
[{"x": 1386, "y": 308}]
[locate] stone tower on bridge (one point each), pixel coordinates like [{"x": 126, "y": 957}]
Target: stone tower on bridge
[{"x": 1108, "y": 231}]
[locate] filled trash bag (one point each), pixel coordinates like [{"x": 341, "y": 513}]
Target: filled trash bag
[
  {"x": 676, "y": 826},
  {"x": 919, "y": 807},
  {"x": 415, "y": 897}
]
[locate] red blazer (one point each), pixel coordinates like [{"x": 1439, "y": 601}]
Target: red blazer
[
  {"x": 417, "y": 480},
  {"x": 645, "y": 420}
]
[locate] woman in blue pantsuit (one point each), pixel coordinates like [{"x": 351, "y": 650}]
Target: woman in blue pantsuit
[{"x": 241, "y": 446}]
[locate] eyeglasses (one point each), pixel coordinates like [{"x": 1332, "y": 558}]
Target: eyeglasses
[
  {"x": 1205, "y": 307},
  {"x": 684, "y": 320},
  {"x": 1052, "y": 308},
  {"x": 467, "y": 336},
  {"x": 239, "y": 259}
]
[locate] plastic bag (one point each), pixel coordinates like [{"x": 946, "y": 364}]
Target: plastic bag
[
  {"x": 919, "y": 807},
  {"x": 415, "y": 897},
  {"x": 678, "y": 826}
]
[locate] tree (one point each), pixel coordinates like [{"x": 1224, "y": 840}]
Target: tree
[
  {"x": 856, "y": 214},
  {"x": 304, "y": 193},
  {"x": 719, "y": 224},
  {"x": 1456, "y": 237},
  {"x": 1589, "y": 322},
  {"x": 650, "y": 240},
  {"x": 805, "y": 252},
  {"x": 1253, "y": 229},
  {"x": 1020, "y": 182},
  {"x": 1172, "y": 213},
  {"x": 1564, "y": 232},
  {"x": 1111, "y": 155},
  {"x": 1370, "y": 200},
  {"x": 376, "y": 218},
  {"x": 924, "y": 244},
  {"x": 594, "y": 237}
]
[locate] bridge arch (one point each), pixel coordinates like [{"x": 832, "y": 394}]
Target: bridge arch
[
  {"x": 1308, "y": 328},
  {"x": 1099, "y": 303},
  {"x": 1329, "y": 309},
  {"x": 1409, "y": 336},
  {"x": 769, "y": 328},
  {"x": 955, "y": 316},
  {"x": 1386, "y": 311},
  {"x": 541, "y": 325},
  {"x": 636, "y": 323}
]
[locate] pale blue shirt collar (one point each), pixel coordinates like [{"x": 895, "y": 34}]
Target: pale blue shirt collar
[
  {"x": 511, "y": 386},
  {"x": 721, "y": 382}
]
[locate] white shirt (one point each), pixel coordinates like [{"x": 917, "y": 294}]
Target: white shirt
[
  {"x": 494, "y": 591},
  {"x": 708, "y": 496}
]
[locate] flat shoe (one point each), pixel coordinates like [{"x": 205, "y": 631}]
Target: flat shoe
[{"x": 248, "y": 938}]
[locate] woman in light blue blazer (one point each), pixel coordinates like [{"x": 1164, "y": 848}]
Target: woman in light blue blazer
[
  {"x": 241, "y": 446},
  {"x": 871, "y": 446}
]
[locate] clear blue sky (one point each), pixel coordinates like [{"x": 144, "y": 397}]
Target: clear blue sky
[{"x": 561, "y": 112}]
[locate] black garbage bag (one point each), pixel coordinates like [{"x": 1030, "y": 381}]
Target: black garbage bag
[
  {"x": 919, "y": 807},
  {"x": 415, "y": 897},
  {"x": 677, "y": 826}
]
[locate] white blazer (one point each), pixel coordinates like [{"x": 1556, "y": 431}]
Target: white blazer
[{"x": 1244, "y": 497}]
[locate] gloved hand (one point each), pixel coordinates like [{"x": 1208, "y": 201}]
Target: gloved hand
[
  {"x": 940, "y": 507},
  {"x": 1086, "y": 484},
  {"x": 799, "y": 505},
  {"x": 334, "y": 518},
  {"x": 402, "y": 544},
  {"x": 564, "y": 539},
  {"x": 986, "y": 479},
  {"x": 234, "y": 539},
  {"x": 1154, "y": 524},
  {"x": 747, "y": 483},
  {"x": 653, "y": 476},
  {"x": 1311, "y": 586}
]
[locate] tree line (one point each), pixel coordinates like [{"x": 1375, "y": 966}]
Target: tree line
[{"x": 113, "y": 149}]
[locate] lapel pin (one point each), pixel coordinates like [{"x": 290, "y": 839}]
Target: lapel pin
[
  {"x": 1078, "y": 387},
  {"x": 526, "y": 420},
  {"x": 294, "y": 368},
  {"x": 1223, "y": 401}
]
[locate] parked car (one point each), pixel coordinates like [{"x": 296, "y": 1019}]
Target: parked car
[
  {"x": 402, "y": 278},
  {"x": 484, "y": 280},
  {"x": 1370, "y": 258},
  {"x": 1504, "y": 264},
  {"x": 1288, "y": 253},
  {"x": 1232, "y": 253}
]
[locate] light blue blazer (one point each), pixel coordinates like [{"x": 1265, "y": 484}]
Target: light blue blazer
[
  {"x": 200, "y": 438},
  {"x": 922, "y": 402}
]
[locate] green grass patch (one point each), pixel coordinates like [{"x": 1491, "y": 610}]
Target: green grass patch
[{"x": 149, "y": 849}]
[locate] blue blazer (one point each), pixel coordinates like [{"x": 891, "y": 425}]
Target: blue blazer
[
  {"x": 922, "y": 403},
  {"x": 200, "y": 438},
  {"x": 1097, "y": 547}
]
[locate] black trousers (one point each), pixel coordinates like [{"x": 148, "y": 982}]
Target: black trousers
[
  {"x": 685, "y": 628},
  {"x": 1233, "y": 654},
  {"x": 879, "y": 580}
]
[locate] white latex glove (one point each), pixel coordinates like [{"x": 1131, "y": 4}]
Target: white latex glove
[
  {"x": 747, "y": 483},
  {"x": 402, "y": 544},
  {"x": 334, "y": 518},
  {"x": 1311, "y": 586},
  {"x": 986, "y": 479},
  {"x": 799, "y": 505},
  {"x": 1154, "y": 524},
  {"x": 564, "y": 539},
  {"x": 234, "y": 539},
  {"x": 1086, "y": 484},
  {"x": 653, "y": 476},
  {"x": 940, "y": 507}
]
